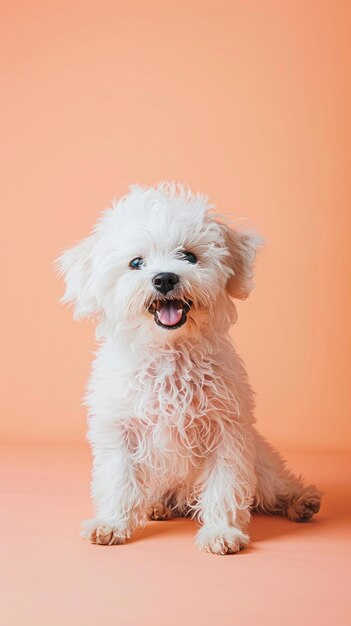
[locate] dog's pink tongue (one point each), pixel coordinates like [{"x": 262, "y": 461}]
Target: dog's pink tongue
[{"x": 170, "y": 313}]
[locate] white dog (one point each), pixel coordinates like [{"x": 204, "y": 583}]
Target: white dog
[{"x": 170, "y": 407}]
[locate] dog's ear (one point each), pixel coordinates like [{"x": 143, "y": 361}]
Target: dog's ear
[
  {"x": 242, "y": 248},
  {"x": 76, "y": 267}
]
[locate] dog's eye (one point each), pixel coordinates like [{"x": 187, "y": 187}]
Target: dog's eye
[
  {"x": 136, "y": 263},
  {"x": 189, "y": 256}
]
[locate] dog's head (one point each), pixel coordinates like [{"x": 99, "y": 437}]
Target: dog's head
[{"x": 159, "y": 261}]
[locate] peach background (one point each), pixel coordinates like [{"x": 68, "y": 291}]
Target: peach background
[{"x": 248, "y": 101}]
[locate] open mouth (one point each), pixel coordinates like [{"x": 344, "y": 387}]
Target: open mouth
[{"x": 170, "y": 314}]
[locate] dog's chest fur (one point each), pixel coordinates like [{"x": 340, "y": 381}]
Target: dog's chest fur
[
  {"x": 174, "y": 405},
  {"x": 180, "y": 402}
]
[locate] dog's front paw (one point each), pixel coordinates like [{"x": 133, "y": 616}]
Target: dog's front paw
[
  {"x": 103, "y": 533},
  {"x": 305, "y": 504},
  {"x": 226, "y": 540}
]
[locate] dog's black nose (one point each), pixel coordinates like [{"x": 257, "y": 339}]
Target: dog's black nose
[{"x": 165, "y": 281}]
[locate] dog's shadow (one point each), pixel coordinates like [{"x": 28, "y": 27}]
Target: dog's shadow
[
  {"x": 335, "y": 515},
  {"x": 262, "y": 528},
  {"x": 175, "y": 526}
]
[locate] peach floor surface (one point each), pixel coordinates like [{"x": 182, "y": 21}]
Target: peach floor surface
[{"x": 292, "y": 573}]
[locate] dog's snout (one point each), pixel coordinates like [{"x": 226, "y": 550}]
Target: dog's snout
[{"x": 165, "y": 281}]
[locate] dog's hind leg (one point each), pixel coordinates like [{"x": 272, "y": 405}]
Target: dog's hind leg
[
  {"x": 159, "y": 512},
  {"x": 172, "y": 504},
  {"x": 278, "y": 490}
]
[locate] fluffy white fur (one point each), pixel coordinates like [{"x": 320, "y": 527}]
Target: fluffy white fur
[{"x": 171, "y": 411}]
